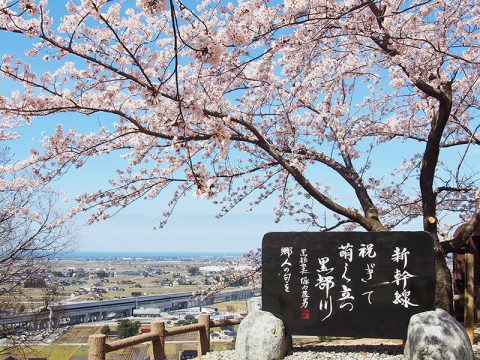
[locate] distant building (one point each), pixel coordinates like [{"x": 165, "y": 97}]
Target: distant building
[
  {"x": 147, "y": 312},
  {"x": 213, "y": 268}
]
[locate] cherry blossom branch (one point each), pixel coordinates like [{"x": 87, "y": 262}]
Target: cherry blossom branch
[
  {"x": 369, "y": 224},
  {"x": 333, "y": 227},
  {"x": 348, "y": 173}
]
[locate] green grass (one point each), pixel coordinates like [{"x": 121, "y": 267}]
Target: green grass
[
  {"x": 222, "y": 346},
  {"x": 52, "y": 352}
]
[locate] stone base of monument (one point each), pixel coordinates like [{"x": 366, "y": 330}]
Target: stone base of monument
[
  {"x": 262, "y": 336},
  {"x": 436, "y": 335}
]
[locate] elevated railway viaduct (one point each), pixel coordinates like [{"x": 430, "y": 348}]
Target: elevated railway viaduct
[{"x": 90, "y": 311}]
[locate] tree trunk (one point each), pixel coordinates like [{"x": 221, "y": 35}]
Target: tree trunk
[{"x": 443, "y": 277}]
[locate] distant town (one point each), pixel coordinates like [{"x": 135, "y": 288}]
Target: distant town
[
  {"x": 92, "y": 294},
  {"x": 98, "y": 279}
]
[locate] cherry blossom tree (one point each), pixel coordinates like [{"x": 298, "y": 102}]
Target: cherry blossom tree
[
  {"x": 248, "y": 100},
  {"x": 31, "y": 237}
]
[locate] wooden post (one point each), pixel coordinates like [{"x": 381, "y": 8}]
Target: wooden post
[
  {"x": 96, "y": 347},
  {"x": 469, "y": 305},
  {"x": 204, "y": 334},
  {"x": 158, "y": 344}
]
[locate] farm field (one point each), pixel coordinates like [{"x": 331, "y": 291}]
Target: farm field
[
  {"x": 52, "y": 352},
  {"x": 78, "y": 335},
  {"x": 68, "y": 352},
  {"x": 139, "y": 352},
  {"x": 130, "y": 276},
  {"x": 148, "y": 288},
  {"x": 232, "y": 306}
]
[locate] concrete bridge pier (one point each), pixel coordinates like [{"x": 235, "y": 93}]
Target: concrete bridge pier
[
  {"x": 91, "y": 317},
  {"x": 123, "y": 313}
]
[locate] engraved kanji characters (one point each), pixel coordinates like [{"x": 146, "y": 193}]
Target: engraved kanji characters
[
  {"x": 400, "y": 278},
  {"x": 346, "y": 253},
  {"x": 304, "y": 281},
  {"x": 325, "y": 283},
  {"x": 286, "y": 251}
]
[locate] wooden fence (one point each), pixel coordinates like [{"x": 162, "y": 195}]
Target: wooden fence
[{"x": 98, "y": 346}]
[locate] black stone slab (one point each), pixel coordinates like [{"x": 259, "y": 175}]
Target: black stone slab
[{"x": 381, "y": 306}]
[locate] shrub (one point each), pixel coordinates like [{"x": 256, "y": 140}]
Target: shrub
[{"x": 127, "y": 328}]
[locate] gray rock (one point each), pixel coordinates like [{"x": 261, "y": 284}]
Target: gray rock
[
  {"x": 261, "y": 336},
  {"x": 436, "y": 335},
  {"x": 254, "y": 303}
]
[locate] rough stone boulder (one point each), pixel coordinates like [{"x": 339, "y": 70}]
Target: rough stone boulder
[
  {"x": 436, "y": 335},
  {"x": 261, "y": 336}
]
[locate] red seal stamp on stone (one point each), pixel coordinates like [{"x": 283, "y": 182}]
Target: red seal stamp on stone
[{"x": 304, "y": 314}]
